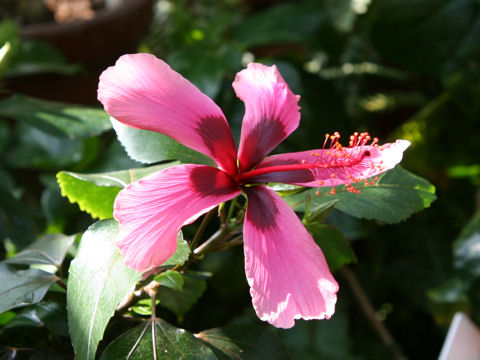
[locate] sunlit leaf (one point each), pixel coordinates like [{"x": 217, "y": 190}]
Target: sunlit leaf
[
  {"x": 57, "y": 119},
  {"x": 170, "y": 279},
  {"x": 150, "y": 147},
  {"x": 49, "y": 249},
  {"x": 98, "y": 281},
  {"x": 95, "y": 193},
  {"x": 394, "y": 197},
  {"x": 246, "y": 342},
  {"x": 181, "y": 255},
  {"x": 170, "y": 343},
  {"x": 22, "y": 287}
]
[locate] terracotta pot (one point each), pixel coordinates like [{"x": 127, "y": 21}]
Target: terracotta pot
[{"x": 95, "y": 43}]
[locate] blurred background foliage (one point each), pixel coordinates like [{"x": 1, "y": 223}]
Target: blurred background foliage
[{"x": 397, "y": 68}]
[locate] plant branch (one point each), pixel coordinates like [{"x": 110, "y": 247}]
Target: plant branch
[{"x": 370, "y": 313}]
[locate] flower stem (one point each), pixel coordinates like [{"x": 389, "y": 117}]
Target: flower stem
[
  {"x": 207, "y": 245},
  {"x": 201, "y": 228},
  {"x": 370, "y": 314},
  {"x": 153, "y": 292}
]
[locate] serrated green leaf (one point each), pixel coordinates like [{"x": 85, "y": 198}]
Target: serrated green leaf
[
  {"x": 151, "y": 147},
  {"x": 181, "y": 255},
  {"x": 98, "y": 281},
  {"x": 49, "y": 249},
  {"x": 334, "y": 245},
  {"x": 170, "y": 279},
  {"x": 181, "y": 301},
  {"x": 246, "y": 342},
  {"x": 95, "y": 200},
  {"x": 170, "y": 343},
  {"x": 57, "y": 119},
  {"x": 22, "y": 287},
  {"x": 95, "y": 193},
  {"x": 394, "y": 197}
]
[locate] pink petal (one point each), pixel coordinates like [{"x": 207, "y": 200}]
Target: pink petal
[
  {"x": 288, "y": 276},
  {"x": 152, "y": 210},
  {"x": 142, "y": 91},
  {"x": 271, "y": 112},
  {"x": 329, "y": 167}
]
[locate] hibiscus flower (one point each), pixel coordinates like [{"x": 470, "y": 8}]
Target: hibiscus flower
[{"x": 287, "y": 273}]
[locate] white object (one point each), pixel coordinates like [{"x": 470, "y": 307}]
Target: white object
[{"x": 463, "y": 340}]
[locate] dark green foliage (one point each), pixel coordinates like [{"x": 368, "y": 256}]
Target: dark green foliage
[{"x": 396, "y": 68}]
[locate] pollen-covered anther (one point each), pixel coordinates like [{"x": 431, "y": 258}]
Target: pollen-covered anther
[
  {"x": 332, "y": 191},
  {"x": 333, "y": 175}
]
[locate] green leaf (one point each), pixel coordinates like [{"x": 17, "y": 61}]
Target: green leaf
[
  {"x": 467, "y": 247},
  {"x": 57, "y": 119},
  {"x": 321, "y": 212},
  {"x": 448, "y": 299},
  {"x": 95, "y": 200},
  {"x": 286, "y": 23},
  {"x": 144, "y": 307},
  {"x": 330, "y": 340},
  {"x": 5, "y": 52},
  {"x": 49, "y": 249},
  {"x": 95, "y": 193},
  {"x": 6, "y": 317},
  {"x": 334, "y": 245},
  {"x": 22, "y": 287},
  {"x": 49, "y": 314},
  {"x": 16, "y": 221},
  {"x": 150, "y": 147},
  {"x": 98, "y": 281},
  {"x": 394, "y": 197},
  {"x": 181, "y": 255},
  {"x": 170, "y": 343},
  {"x": 181, "y": 301},
  {"x": 246, "y": 342},
  {"x": 39, "y": 57},
  {"x": 170, "y": 279},
  {"x": 9, "y": 41},
  {"x": 33, "y": 148}
]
